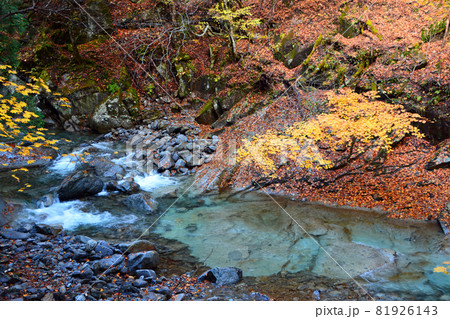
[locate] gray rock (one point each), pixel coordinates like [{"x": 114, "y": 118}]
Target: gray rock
[
  {"x": 210, "y": 149},
  {"x": 141, "y": 202},
  {"x": 187, "y": 157},
  {"x": 114, "y": 262},
  {"x": 166, "y": 173},
  {"x": 103, "y": 249},
  {"x": 12, "y": 234},
  {"x": 110, "y": 114},
  {"x": 180, "y": 163},
  {"x": 82, "y": 239},
  {"x": 139, "y": 283},
  {"x": 179, "y": 297},
  {"x": 161, "y": 290},
  {"x": 27, "y": 228},
  {"x": 80, "y": 298},
  {"x": 181, "y": 138},
  {"x": 45, "y": 201},
  {"x": 48, "y": 230},
  {"x": 180, "y": 147},
  {"x": 143, "y": 260},
  {"x": 166, "y": 162},
  {"x": 106, "y": 168},
  {"x": 126, "y": 187},
  {"x": 148, "y": 274},
  {"x": 79, "y": 185},
  {"x": 222, "y": 275},
  {"x": 85, "y": 272}
]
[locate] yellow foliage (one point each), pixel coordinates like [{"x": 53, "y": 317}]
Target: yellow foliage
[
  {"x": 444, "y": 269},
  {"x": 354, "y": 123},
  {"x": 15, "y": 117}
]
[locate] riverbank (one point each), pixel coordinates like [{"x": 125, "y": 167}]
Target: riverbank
[{"x": 39, "y": 262}]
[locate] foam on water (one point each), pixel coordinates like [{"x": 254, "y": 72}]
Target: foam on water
[
  {"x": 151, "y": 182},
  {"x": 104, "y": 146},
  {"x": 70, "y": 215},
  {"x": 65, "y": 164},
  {"x": 103, "y": 193}
]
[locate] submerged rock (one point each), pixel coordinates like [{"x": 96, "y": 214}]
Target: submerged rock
[
  {"x": 141, "y": 202},
  {"x": 139, "y": 246}
]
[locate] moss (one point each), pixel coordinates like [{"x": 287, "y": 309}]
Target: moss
[
  {"x": 208, "y": 105},
  {"x": 45, "y": 76},
  {"x": 124, "y": 78}
]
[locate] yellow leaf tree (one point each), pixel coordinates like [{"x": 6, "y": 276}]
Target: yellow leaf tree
[
  {"x": 18, "y": 134},
  {"x": 234, "y": 20},
  {"x": 354, "y": 125}
]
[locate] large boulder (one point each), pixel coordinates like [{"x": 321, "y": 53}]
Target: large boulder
[
  {"x": 79, "y": 185},
  {"x": 210, "y": 112},
  {"x": 222, "y": 275},
  {"x": 111, "y": 113},
  {"x": 141, "y": 202}
]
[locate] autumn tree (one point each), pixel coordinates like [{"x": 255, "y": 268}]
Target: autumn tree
[
  {"x": 234, "y": 20},
  {"x": 19, "y": 132},
  {"x": 354, "y": 125}
]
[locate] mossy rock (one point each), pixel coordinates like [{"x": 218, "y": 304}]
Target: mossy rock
[
  {"x": 208, "y": 85},
  {"x": 290, "y": 52},
  {"x": 85, "y": 100},
  {"x": 185, "y": 71},
  {"x": 110, "y": 114},
  {"x": 210, "y": 112},
  {"x": 130, "y": 99}
]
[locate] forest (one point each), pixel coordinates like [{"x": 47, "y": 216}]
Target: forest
[{"x": 224, "y": 150}]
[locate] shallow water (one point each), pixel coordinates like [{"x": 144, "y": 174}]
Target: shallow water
[{"x": 278, "y": 248}]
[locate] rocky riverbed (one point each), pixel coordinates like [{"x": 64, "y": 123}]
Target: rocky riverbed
[
  {"x": 39, "y": 262},
  {"x": 170, "y": 149}
]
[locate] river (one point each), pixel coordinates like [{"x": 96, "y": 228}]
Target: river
[{"x": 283, "y": 247}]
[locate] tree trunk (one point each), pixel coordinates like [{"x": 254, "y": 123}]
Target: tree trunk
[
  {"x": 76, "y": 53},
  {"x": 446, "y": 31}
]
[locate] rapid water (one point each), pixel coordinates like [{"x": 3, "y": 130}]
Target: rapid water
[{"x": 270, "y": 239}]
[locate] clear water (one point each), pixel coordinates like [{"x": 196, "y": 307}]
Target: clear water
[{"x": 392, "y": 258}]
